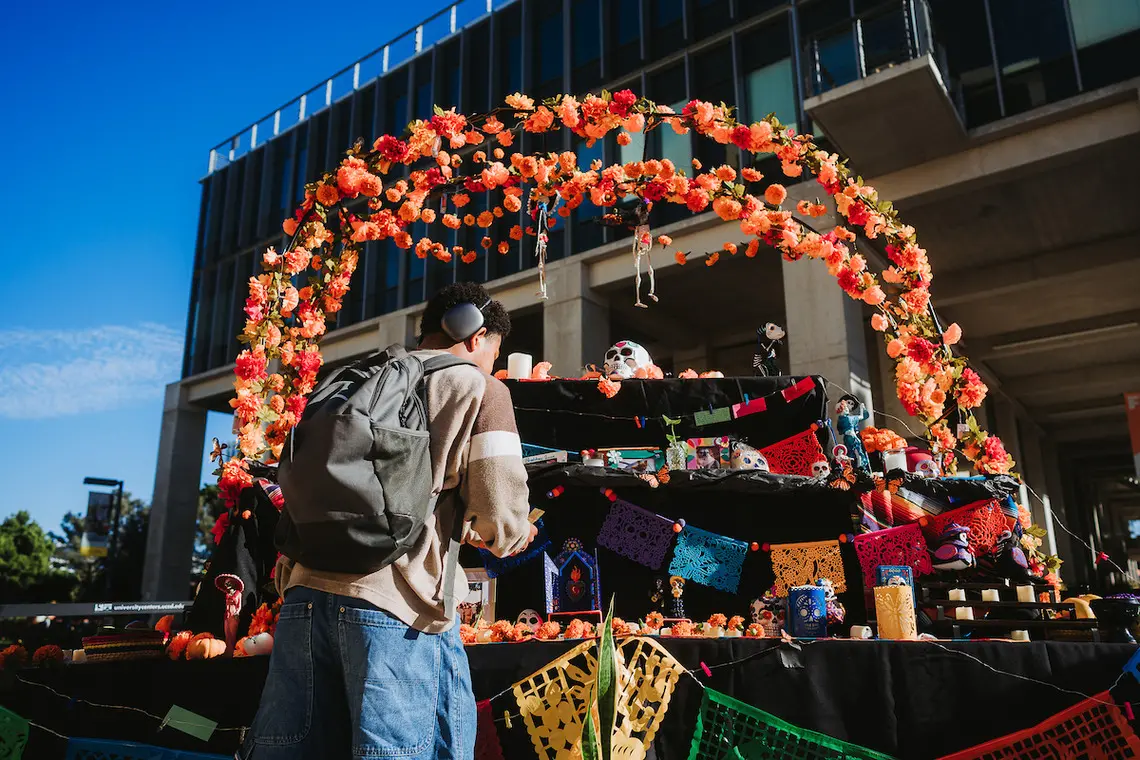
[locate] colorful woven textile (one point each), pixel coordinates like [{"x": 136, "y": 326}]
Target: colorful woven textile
[
  {"x": 637, "y": 534},
  {"x": 13, "y": 735},
  {"x": 708, "y": 558},
  {"x": 497, "y": 566},
  {"x": 803, "y": 564},
  {"x": 1093, "y": 729},
  {"x": 903, "y": 545},
  {"x": 729, "y": 728},
  {"x": 487, "y": 745},
  {"x": 984, "y": 519},
  {"x": 795, "y": 455},
  {"x": 127, "y": 644}
]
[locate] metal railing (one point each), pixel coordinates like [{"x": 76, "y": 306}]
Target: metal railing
[{"x": 379, "y": 62}]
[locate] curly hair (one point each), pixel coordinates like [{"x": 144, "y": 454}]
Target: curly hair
[{"x": 495, "y": 317}]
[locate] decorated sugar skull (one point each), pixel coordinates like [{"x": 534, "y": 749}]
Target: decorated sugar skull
[
  {"x": 744, "y": 457},
  {"x": 820, "y": 469},
  {"x": 530, "y": 618},
  {"x": 625, "y": 358}
]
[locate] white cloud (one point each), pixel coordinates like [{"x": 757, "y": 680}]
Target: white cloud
[{"x": 54, "y": 373}]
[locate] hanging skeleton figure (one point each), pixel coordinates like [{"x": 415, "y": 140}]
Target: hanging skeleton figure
[
  {"x": 540, "y": 213},
  {"x": 764, "y": 360},
  {"x": 636, "y": 219}
]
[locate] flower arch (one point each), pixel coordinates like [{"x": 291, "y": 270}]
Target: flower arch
[{"x": 356, "y": 203}]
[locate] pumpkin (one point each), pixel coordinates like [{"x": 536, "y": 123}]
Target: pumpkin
[
  {"x": 1082, "y": 607},
  {"x": 204, "y": 646},
  {"x": 260, "y": 643}
]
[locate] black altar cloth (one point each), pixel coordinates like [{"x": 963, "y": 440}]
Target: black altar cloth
[
  {"x": 574, "y": 415},
  {"x": 912, "y": 700}
]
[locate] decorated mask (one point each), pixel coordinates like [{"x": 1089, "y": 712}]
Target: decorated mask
[
  {"x": 820, "y": 469},
  {"x": 530, "y": 618},
  {"x": 744, "y": 457},
  {"x": 625, "y": 358}
]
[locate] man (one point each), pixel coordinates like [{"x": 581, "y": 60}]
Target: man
[{"x": 372, "y": 665}]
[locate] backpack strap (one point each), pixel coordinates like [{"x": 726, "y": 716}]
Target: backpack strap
[{"x": 444, "y": 361}]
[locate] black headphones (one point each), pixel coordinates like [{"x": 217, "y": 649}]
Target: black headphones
[{"x": 463, "y": 320}]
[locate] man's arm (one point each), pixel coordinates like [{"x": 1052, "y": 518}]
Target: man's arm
[{"x": 494, "y": 489}]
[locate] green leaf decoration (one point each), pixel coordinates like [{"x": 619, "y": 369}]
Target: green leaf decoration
[
  {"x": 590, "y": 738},
  {"x": 607, "y": 683}
]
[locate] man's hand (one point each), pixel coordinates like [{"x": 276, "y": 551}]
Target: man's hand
[{"x": 478, "y": 543}]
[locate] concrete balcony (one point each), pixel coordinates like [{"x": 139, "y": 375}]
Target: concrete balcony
[{"x": 892, "y": 119}]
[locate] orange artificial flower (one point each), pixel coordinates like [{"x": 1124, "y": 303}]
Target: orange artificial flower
[
  {"x": 730, "y": 247},
  {"x": 498, "y": 212},
  {"x": 680, "y": 258},
  {"x": 327, "y": 195},
  {"x": 469, "y": 257},
  {"x": 485, "y": 242},
  {"x": 775, "y": 194},
  {"x": 469, "y": 219},
  {"x": 750, "y": 174},
  {"x": 428, "y": 215},
  {"x": 486, "y": 219},
  {"x": 516, "y": 232},
  {"x": 492, "y": 126},
  {"x": 451, "y": 221},
  {"x": 712, "y": 258},
  {"x": 725, "y": 173},
  {"x": 665, "y": 240},
  {"x": 753, "y": 248},
  {"x": 460, "y": 199},
  {"x": 624, "y": 139},
  {"x": 504, "y": 247}
]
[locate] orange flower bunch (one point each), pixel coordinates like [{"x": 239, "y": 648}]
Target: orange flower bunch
[
  {"x": 13, "y": 656},
  {"x": 717, "y": 620},
  {"x": 881, "y": 439},
  {"x": 622, "y": 628},
  {"x": 654, "y": 620},
  {"x": 736, "y": 623},
  {"x": 48, "y": 653},
  {"x": 579, "y": 629},
  {"x": 683, "y": 628},
  {"x": 754, "y": 631},
  {"x": 548, "y": 630}
]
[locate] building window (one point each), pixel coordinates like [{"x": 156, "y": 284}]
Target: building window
[
  {"x": 624, "y": 36},
  {"x": 302, "y": 160},
  {"x": 960, "y": 36},
  {"x": 585, "y": 45},
  {"x": 1034, "y": 53},
  {"x": 448, "y": 60},
  {"x": 710, "y": 17},
  {"x": 478, "y": 75},
  {"x": 712, "y": 70},
  {"x": 508, "y": 39},
  {"x": 828, "y": 40},
  {"x": 422, "y": 108},
  {"x": 667, "y": 27},
  {"x": 548, "y": 50},
  {"x": 364, "y": 115},
  {"x": 768, "y": 79},
  {"x": 587, "y": 233},
  {"x": 414, "y": 282},
  {"x": 396, "y": 103},
  {"x": 1107, "y": 33}
]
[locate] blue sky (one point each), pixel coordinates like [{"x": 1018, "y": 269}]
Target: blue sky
[{"x": 110, "y": 112}]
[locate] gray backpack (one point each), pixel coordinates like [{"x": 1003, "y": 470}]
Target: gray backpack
[{"x": 356, "y": 472}]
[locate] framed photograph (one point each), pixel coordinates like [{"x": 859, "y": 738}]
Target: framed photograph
[
  {"x": 637, "y": 460},
  {"x": 480, "y": 599},
  {"x": 708, "y": 453}
]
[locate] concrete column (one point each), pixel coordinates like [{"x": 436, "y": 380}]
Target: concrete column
[
  {"x": 397, "y": 328},
  {"x": 174, "y": 507},
  {"x": 575, "y": 320},
  {"x": 825, "y": 330},
  {"x": 1005, "y": 427}
]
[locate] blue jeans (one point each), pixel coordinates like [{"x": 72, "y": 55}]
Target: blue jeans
[{"x": 348, "y": 680}]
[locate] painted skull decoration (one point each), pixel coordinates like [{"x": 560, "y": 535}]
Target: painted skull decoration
[
  {"x": 625, "y": 358},
  {"x": 820, "y": 469},
  {"x": 745, "y": 457},
  {"x": 530, "y": 618}
]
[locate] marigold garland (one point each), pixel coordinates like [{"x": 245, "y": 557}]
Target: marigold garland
[{"x": 352, "y": 205}]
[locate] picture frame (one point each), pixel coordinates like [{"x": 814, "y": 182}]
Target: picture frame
[
  {"x": 708, "y": 453},
  {"x": 480, "y": 599},
  {"x": 647, "y": 459}
]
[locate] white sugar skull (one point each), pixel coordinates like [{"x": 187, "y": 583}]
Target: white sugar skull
[
  {"x": 927, "y": 468},
  {"x": 530, "y": 618},
  {"x": 625, "y": 358},
  {"x": 745, "y": 457},
  {"x": 820, "y": 469}
]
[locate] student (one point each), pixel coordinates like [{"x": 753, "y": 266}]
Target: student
[{"x": 372, "y": 665}]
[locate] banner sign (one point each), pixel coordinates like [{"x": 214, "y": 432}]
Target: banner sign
[{"x": 97, "y": 526}]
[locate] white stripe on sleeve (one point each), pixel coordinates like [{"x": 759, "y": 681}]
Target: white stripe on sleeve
[{"x": 494, "y": 443}]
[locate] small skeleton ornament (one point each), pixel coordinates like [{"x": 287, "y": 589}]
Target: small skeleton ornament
[
  {"x": 744, "y": 457},
  {"x": 820, "y": 469},
  {"x": 624, "y": 359},
  {"x": 530, "y": 618}
]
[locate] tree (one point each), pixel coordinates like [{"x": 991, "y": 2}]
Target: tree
[{"x": 26, "y": 572}]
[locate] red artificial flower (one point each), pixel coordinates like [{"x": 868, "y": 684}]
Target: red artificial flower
[
  {"x": 391, "y": 148},
  {"x": 622, "y": 102},
  {"x": 220, "y": 526},
  {"x": 857, "y": 213},
  {"x": 251, "y": 365},
  {"x": 920, "y": 349}
]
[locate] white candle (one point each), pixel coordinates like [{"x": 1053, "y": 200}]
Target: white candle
[
  {"x": 894, "y": 460},
  {"x": 1019, "y": 635},
  {"x": 957, "y": 595},
  {"x": 964, "y": 613},
  {"x": 1026, "y": 594},
  {"x": 860, "y": 632},
  {"x": 79, "y": 656},
  {"x": 666, "y": 631},
  {"x": 518, "y": 366},
  {"x": 990, "y": 595}
]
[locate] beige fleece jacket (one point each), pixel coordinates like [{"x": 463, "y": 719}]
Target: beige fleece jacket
[{"x": 476, "y": 457}]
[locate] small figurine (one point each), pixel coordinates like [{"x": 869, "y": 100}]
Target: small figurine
[
  {"x": 764, "y": 360},
  {"x": 744, "y": 457},
  {"x": 769, "y": 613},
  {"x": 232, "y": 587},
  {"x": 953, "y": 551},
  {"x": 677, "y": 588},
  {"x": 835, "y": 610},
  {"x": 1008, "y": 558},
  {"x": 657, "y": 598},
  {"x": 850, "y": 415}
]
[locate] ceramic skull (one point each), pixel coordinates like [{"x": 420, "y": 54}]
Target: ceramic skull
[
  {"x": 625, "y": 358},
  {"x": 820, "y": 469},
  {"x": 745, "y": 457},
  {"x": 530, "y": 618}
]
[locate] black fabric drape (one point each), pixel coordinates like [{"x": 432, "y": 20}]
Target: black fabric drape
[{"x": 912, "y": 700}]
